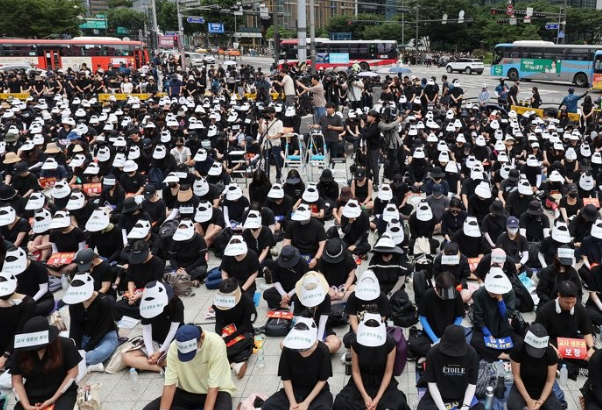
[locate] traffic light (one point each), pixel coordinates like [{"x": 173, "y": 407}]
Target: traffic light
[
  {"x": 494, "y": 11},
  {"x": 349, "y": 22}
]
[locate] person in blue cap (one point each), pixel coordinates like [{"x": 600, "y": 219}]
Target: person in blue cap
[{"x": 198, "y": 374}]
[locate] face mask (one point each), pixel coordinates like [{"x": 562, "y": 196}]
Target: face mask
[
  {"x": 512, "y": 231},
  {"x": 573, "y": 194}
]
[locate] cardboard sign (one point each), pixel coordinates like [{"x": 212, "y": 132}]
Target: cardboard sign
[
  {"x": 280, "y": 314},
  {"x": 450, "y": 259},
  {"x": 594, "y": 201},
  {"x": 473, "y": 263},
  {"x": 47, "y": 182},
  {"x": 61, "y": 258},
  {"x": 121, "y": 97},
  {"x": 572, "y": 348},
  {"x": 92, "y": 188},
  {"x": 504, "y": 343},
  {"x": 20, "y": 96}
]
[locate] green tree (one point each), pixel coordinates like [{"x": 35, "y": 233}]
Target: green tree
[
  {"x": 283, "y": 32},
  {"x": 129, "y": 18},
  {"x": 120, "y": 3},
  {"x": 39, "y": 18},
  {"x": 584, "y": 26}
]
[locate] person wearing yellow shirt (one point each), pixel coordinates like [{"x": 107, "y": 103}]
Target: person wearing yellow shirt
[{"x": 198, "y": 373}]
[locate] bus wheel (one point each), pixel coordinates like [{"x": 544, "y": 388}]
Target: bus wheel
[
  {"x": 513, "y": 75},
  {"x": 364, "y": 66},
  {"x": 580, "y": 80}
]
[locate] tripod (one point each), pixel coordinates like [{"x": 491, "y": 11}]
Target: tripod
[{"x": 267, "y": 151}]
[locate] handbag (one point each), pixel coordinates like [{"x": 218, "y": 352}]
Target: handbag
[
  {"x": 180, "y": 282},
  {"x": 88, "y": 397},
  {"x": 116, "y": 363}
]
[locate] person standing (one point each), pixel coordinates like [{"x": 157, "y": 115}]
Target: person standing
[
  {"x": 272, "y": 131},
  {"x": 332, "y": 127},
  {"x": 371, "y": 134},
  {"x": 570, "y": 100},
  {"x": 318, "y": 96},
  {"x": 198, "y": 374},
  {"x": 288, "y": 85}
]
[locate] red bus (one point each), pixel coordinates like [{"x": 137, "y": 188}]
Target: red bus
[
  {"x": 54, "y": 54},
  {"x": 343, "y": 53}
]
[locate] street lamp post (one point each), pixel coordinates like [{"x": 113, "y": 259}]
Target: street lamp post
[{"x": 181, "y": 36}]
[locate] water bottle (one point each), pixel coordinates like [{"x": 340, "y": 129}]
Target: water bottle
[
  {"x": 257, "y": 298},
  {"x": 489, "y": 398},
  {"x": 500, "y": 388},
  {"x": 64, "y": 281},
  {"x": 261, "y": 358},
  {"x": 133, "y": 379},
  {"x": 564, "y": 375}
]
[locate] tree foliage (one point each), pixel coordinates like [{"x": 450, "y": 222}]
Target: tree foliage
[
  {"x": 125, "y": 17},
  {"x": 120, "y": 3},
  {"x": 282, "y": 32},
  {"x": 39, "y": 18}
]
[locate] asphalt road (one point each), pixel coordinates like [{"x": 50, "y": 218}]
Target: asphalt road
[{"x": 551, "y": 92}]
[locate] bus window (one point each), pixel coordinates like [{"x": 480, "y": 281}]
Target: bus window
[
  {"x": 18, "y": 50},
  {"x": 598, "y": 64},
  {"x": 515, "y": 53},
  {"x": 498, "y": 55},
  {"x": 92, "y": 50}
]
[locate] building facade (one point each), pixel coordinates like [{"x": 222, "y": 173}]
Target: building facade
[{"x": 94, "y": 7}]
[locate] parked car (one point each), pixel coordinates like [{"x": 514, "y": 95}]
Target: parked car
[
  {"x": 233, "y": 52},
  {"x": 195, "y": 59},
  {"x": 467, "y": 65},
  {"x": 209, "y": 59}
]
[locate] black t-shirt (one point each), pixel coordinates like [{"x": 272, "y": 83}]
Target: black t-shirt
[
  {"x": 288, "y": 277},
  {"x": 94, "y": 321},
  {"x": 372, "y": 363},
  {"x": 24, "y": 183},
  {"x": 305, "y": 372},
  {"x": 358, "y": 307},
  {"x": 564, "y": 324},
  {"x": 336, "y": 274},
  {"x": 28, "y": 282},
  {"x": 306, "y": 238},
  {"x": 173, "y": 313},
  {"x": 452, "y": 374},
  {"x": 514, "y": 248},
  {"x": 264, "y": 240},
  {"x": 103, "y": 272},
  {"x": 41, "y": 386},
  {"x": 440, "y": 313},
  {"x": 243, "y": 269},
  {"x": 10, "y": 235},
  {"x": 143, "y": 273},
  {"x": 132, "y": 184},
  {"x": 13, "y": 318},
  {"x": 156, "y": 210},
  {"x": 68, "y": 242},
  {"x": 533, "y": 372}
]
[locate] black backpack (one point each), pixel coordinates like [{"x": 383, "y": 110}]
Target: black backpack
[
  {"x": 155, "y": 177},
  {"x": 524, "y": 301},
  {"x": 404, "y": 313}
]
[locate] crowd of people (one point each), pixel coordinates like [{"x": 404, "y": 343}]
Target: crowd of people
[{"x": 119, "y": 201}]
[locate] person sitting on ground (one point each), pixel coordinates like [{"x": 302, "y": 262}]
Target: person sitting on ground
[
  {"x": 372, "y": 360},
  {"x": 92, "y": 326},
  {"x": 338, "y": 267},
  {"x": 288, "y": 269},
  {"x": 240, "y": 263},
  {"x": 304, "y": 368},
  {"x": 162, "y": 315},
  {"x": 234, "y": 313}
]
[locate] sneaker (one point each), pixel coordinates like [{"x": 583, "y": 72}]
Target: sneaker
[
  {"x": 96, "y": 368},
  {"x": 210, "y": 314},
  {"x": 240, "y": 369},
  {"x": 346, "y": 358},
  {"x": 584, "y": 372}
]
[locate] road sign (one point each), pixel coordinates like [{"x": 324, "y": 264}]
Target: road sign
[
  {"x": 552, "y": 26},
  {"x": 123, "y": 30},
  {"x": 512, "y": 21},
  {"x": 215, "y": 28},
  {"x": 195, "y": 20},
  {"x": 510, "y": 9},
  {"x": 171, "y": 33},
  {"x": 561, "y": 34}
]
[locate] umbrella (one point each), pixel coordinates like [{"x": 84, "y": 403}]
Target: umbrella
[
  {"x": 229, "y": 62},
  {"x": 368, "y": 74},
  {"x": 401, "y": 70}
]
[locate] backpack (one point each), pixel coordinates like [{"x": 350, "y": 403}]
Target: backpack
[
  {"x": 421, "y": 284},
  {"x": 214, "y": 278},
  {"x": 279, "y": 323},
  {"x": 221, "y": 241},
  {"x": 166, "y": 232},
  {"x": 155, "y": 177},
  {"x": 404, "y": 313},
  {"x": 487, "y": 378},
  {"x": 180, "y": 282},
  {"x": 523, "y": 296},
  {"x": 338, "y": 316},
  {"x": 253, "y": 402},
  {"x": 401, "y": 350}
]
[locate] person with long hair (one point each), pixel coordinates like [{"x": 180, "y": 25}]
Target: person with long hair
[
  {"x": 259, "y": 187},
  {"x": 49, "y": 364}
]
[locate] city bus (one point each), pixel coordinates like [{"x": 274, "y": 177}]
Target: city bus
[
  {"x": 545, "y": 61},
  {"x": 342, "y": 53},
  {"x": 54, "y": 54}
]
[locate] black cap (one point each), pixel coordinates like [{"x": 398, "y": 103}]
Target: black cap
[
  {"x": 149, "y": 191},
  {"x": 334, "y": 251},
  {"x": 289, "y": 256},
  {"x": 373, "y": 113},
  {"x": 83, "y": 259},
  {"x": 496, "y": 208},
  {"x": 589, "y": 212},
  {"x": 535, "y": 342},
  {"x": 20, "y": 167},
  {"x": 513, "y": 175},
  {"x": 535, "y": 208}
]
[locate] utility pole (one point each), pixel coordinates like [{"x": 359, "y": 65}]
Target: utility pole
[
  {"x": 302, "y": 30},
  {"x": 312, "y": 34},
  {"x": 417, "y": 33},
  {"x": 276, "y": 34},
  {"x": 565, "y": 9},
  {"x": 155, "y": 39},
  {"x": 181, "y": 36}
]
